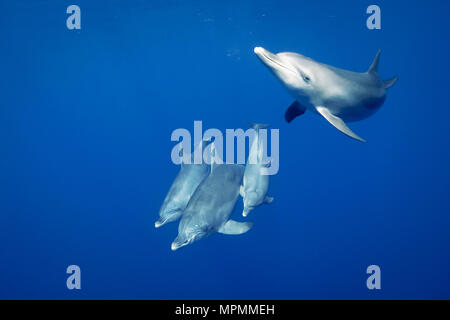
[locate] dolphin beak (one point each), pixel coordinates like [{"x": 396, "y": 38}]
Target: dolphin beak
[
  {"x": 176, "y": 245},
  {"x": 160, "y": 222},
  {"x": 266, "y": 56},
  {"x": 258, "y": 50},
  {"x": 262, "y": 53},
  {"x": 271, "y": 60}
]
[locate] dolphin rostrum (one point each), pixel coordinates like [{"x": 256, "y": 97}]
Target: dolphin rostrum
[
  {"x": 255, "y": 184},
  {"x": 338, "y": 95},
  {"x": 184, "y": 185},
  {"x": 211, "y": 205}
]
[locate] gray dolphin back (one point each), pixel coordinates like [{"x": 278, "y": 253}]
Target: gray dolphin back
[
  {"x": 186, "y": 182},
  {"x": 211, "y": 205},
  {"x": 216, "y": 197}
]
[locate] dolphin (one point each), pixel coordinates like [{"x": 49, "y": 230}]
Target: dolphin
[
  {"x": 211, "y": 205},
  {"x": 188, "y": 179},
  {"x": 338, "y": 95},
  {"x": 255, "y": 184}
]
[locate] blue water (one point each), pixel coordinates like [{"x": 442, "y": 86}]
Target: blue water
[{"x": 85, "y": 123}]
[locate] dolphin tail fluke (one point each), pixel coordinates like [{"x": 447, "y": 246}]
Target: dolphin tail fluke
[
  {"x": 199, "y": 148},
  {"x": 338, "y": 123},
  {"x": 215, "y": 157},
  {"x": 234, "y": 227},
  {"x": 374, "y": 66},
  {"x": 389, "y": 83},
  {"x": 258, "y": 126},
  {"x": 294, "y": 110}
]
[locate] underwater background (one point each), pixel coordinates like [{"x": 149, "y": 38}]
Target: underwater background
[{"x": 85, "y": 123}]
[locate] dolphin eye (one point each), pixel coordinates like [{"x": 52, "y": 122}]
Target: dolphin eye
[{"x": 305, "y": 78}]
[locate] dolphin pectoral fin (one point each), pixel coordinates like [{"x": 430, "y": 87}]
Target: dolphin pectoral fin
[
  {"x": 268, "y": 199},
  {"x": 234, "y": 227},
  {"x": 294, "y": 110},
  {"x": 338, "y": 123}
]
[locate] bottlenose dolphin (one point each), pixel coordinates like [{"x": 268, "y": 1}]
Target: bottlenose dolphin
[
  {"x": 255, "y": 184},
  {"x": 211, "y": 205},
  {"x": 338, "y": 95},
  {"x": 184, "y": 185}
]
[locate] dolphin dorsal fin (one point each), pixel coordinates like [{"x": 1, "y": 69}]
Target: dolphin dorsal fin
[
  {"x": 213, "y": 157},
  {"x": 374, "y": 66},
  {"x": 258, "y": 126}
]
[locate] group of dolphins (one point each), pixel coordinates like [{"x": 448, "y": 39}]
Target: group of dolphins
[{"x": 204, "y": 195}]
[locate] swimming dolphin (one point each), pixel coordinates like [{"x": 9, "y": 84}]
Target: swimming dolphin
[
  {"x": 211, "y": 205},
  {"x": 184, "y": 185},
  {"x": 338, "y": 95},
  {"x": 255, "y": 184}
]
